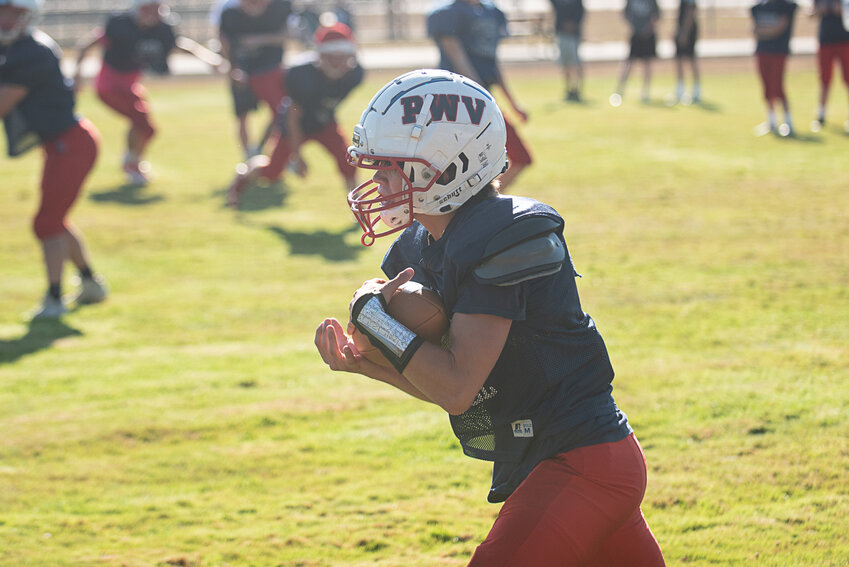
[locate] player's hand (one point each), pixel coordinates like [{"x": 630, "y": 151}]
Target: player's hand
[
  {"x": 521, "y": 113},
  {"x": 337, "y": 349},
  {"x": 387, "y": 288}
]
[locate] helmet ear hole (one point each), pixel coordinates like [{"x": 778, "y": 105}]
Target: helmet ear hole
[{"x": 449, "y": 175}]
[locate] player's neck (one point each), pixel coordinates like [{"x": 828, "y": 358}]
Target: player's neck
[{"x": 435, "y": 224}]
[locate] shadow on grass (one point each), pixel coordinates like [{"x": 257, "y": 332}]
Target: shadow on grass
[
  {"x": 259, "y": 197},
  {"x": 40, "y": 335},
  {"x": 128, "y": 194},
  {"x": 330, "y": 245}
]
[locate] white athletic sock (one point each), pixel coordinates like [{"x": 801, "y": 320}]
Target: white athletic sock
[
  {"x": 679, "y": 90},
  {"x": 771, "y": 119},
  {"x": 821, "y": 113}
]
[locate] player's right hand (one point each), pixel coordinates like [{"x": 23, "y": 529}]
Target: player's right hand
[{"x": 338, "y": 350}]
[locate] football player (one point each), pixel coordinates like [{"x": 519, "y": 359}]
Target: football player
[
  {"x": 642, "y": 17},
  {"x": 524, "y": 376},
  {"x": 37, "y": 107},
  {"x": 686, "y": 35},
  {"x": 135, "y": 41},
  {"x": 315, "y": 89},
  {"x": 467, "y": 33},
  {"x": 252, "y": 35},
  {"x": 773, "y": 27},
  {"x": 833, "y": 48}
]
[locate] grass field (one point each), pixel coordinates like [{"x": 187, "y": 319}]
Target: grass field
[{"x": 189, "y": 420}]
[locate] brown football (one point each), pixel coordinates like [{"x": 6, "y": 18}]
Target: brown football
[{"x": 416, "y": 307}]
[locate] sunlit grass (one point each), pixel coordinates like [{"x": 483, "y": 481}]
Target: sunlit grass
[{"x": 188, "y": 421}]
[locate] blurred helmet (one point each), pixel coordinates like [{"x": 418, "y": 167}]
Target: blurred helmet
[
  {"x": 335, "y": 39},
  {"x": 442, "y": 131},
  {"x": 25, "y": 22}
]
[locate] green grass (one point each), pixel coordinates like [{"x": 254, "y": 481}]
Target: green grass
[{"x": 189, "y": 421}]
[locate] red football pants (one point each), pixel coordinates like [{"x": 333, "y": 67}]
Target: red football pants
[
  {"x": 580, "y": 508},
  {"x": 771, "y": 69},
  {"x": 826, "y": 57},
  {"x": 269, "y": 87},
  {"x": 68, "y": 161},
  {"x": 123, "y": 93},
  {"x": 329, "y": 137}
]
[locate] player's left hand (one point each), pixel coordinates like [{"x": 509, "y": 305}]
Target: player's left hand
[{"x": 387, "y": 288}]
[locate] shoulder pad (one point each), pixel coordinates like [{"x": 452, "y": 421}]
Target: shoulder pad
[{"x": 527, "y": 249}]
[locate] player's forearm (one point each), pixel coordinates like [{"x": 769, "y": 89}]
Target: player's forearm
[
  {"x": 460, "y": 62},
  {"x": 438, "y": 375},
  {"x": 390, "y": 376},
  {"x": 10, "y": 96}
]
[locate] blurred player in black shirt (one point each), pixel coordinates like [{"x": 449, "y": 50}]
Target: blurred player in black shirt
[
  {"x": 252, "y": 35},
  {"x": 308, "y": 112},
  {"x": 37, "y": 107},
  {"x": 136, "y": 41}
]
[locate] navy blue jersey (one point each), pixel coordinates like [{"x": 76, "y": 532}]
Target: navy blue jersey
[
  {"x": 129, "y": 47},
  {"x": 640, "y": 15},
  {"x": 550, "y": 390},
  {"x": 48, "y": 108},
  {"x": 236, "y": 25},
  {"x": 568, "y": 12},
  {"x": 768, "y": 12},
  {"x": 479, "y": 28},
  {"x": 316, "y": 95},
  {"x": 831, "y": 28}
]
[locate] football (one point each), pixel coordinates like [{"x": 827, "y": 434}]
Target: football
[{"x": 416, "y": 307}]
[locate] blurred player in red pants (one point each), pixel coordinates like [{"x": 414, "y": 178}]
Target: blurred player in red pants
[
  {"x": 252, "y": 35},
  {"x": 134, "y": 41},
  {"x": 37, "y": 107},
  {"x": 314, "y": 91},
  {"x": 833, "y": 48},
  {"x": 773, "y": 27}
]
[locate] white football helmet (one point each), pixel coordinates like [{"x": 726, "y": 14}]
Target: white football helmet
[
  {"x": 442, "y": 131},
  {"x": 25, "y": 22}
]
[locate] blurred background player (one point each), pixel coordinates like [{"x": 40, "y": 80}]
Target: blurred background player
[
  {"x": 642, "y": 17},
  {"x": 773, "y": 27},
  {"x": 833, "y": 48},
  {"x": 308, "y": 112},
  {"x": 37, "y": 107},
  {"x": 685, "y": 51},
  {"x": 467, "y": 33},
  {"x": 135, "y": 41},
  {"x": 253, "y": 36},
  {"x": 568, "y": 23}
]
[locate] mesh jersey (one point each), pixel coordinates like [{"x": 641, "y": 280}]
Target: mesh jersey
[
  {"x": 48, "y": 108},
  {"x": 479, "y": 28},
  {"x": 316, "y": 95},
  {"x": 768, "y": 12},
  {"x": 129, "y": 47},
  {"x": 236, "y": 24},
  {"x": 550, "y": 390}
]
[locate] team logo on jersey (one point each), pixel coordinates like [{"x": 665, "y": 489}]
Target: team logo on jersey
[{"x": 442, "y": 107}]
